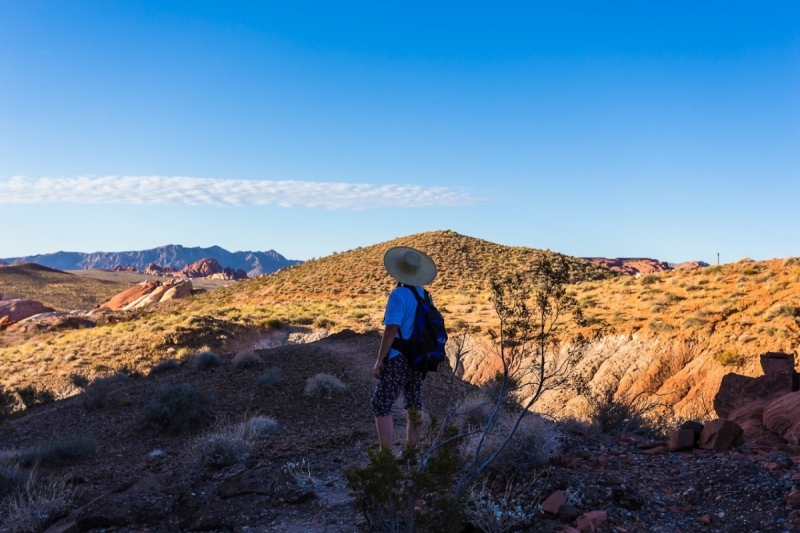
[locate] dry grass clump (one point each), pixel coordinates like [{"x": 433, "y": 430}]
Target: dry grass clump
[
  {"x": 60, "y": 452},
  {"x": 205, "y": 360},
  {"x": 231, "y": 444},
  {"x": 324, "y": 385},
  {"x": 39, "y": 503},
  {"x": 259, "y": 428},
  {"x": 270, "y": 378},
  {"x": 224, "y": 447},
  {"x": 97, "y": 393},
  {"x": 31, "y": 395},
  {"x": 246, "y": 360},
  {"x": 177, "y": 407}
]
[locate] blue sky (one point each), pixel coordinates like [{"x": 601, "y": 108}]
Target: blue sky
[{"x": 661, "y": 129}]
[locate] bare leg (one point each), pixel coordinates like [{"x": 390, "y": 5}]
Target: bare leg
[
  {"x": 385, "y": 426},
  {"x": 412, "y": 428}
]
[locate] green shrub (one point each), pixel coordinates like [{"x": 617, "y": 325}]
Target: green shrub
[
  {"x": 324, "y": 323},
  {"x": 259, "y": 428},
  {"x": 659, "y": 325},
  {"x": 222, "y": 448},
  {"x": 694, "y": 322},
  {"x": 750, "y": 271},
  {"x": 7, "y": 402},
  {"x": 649, "y": 279},
  {"x": 96, "y": 394},
  {"x": 32, "y": 395},
  {"x": 178, "y": 407},
  {"x": 270, "y": 378},
  {"x": 60, "y": 452}
]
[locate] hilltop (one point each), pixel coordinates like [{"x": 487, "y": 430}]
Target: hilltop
[
  {"x": 170, "y": 256},
  {"x": 54, "y": 288}
]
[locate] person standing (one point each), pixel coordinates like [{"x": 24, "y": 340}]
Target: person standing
[{"x": 412, "y": 270}]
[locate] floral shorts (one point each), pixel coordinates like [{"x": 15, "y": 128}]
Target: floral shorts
[{"x": 397, "y": 376}]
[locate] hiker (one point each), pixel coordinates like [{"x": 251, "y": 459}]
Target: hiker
[{"x": 412, "y": 270}]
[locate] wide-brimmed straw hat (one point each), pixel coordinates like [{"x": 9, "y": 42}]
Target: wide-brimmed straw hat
[{"x": 409, "y": 266}]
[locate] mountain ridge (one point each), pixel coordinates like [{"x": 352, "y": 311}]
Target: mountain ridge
[{"x": 172, "y": 255}]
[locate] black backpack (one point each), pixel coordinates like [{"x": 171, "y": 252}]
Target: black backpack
[{"x": 425, "y": 348}]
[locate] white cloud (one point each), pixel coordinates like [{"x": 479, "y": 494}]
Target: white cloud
[{"x": 162, "y": 190}]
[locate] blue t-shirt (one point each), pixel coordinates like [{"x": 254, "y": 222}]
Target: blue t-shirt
[{"x": 400, "y": 311}]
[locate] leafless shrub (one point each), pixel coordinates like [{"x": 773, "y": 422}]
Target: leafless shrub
[
  {"x": 614, "y": 415},
  {"x": 324, "y": 385},
  {"x": 270, "y": 378},
  {"x": 245, "y": 360},
  {"x": 12, "y": 476}
]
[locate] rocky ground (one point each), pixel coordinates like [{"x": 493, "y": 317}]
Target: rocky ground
[{"x": 139, "y": 480}]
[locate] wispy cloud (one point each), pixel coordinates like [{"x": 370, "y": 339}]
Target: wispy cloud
[{"x": 163, "y": 190}]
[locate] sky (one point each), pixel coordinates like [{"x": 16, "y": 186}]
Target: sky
[{"x": 618, "y": 129}]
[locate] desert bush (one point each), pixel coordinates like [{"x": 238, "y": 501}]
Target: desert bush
[
  {"x": 224, "y": 447},
  {"x": 59, "y": 452},
  {"x": 324, "y": 385},
  {"x": 32, "y": 395},
  {"x": 535, "y": 441},
  {"x": 177, "y": 407},
  {"x": 39, "y": 503},
  {"x": 259, "y": 428},
  {"x": 694, "y": 322},
  {"x": 96, "y": 394},
  {"x": 274, "y": 323},
  {"x": 205, "y": 360},
  {"x": 245, "y": 360},
  {"x": 324, "y": 323},
  {"x": 164, "y": 366},
  {"x": 649, "y": 279},
  {"x": 729, "y": 358},
  {"x": 7, "y": 402},
  {"x": 789, "y": 311},
  {"x": 659, "y": 325},
  {"x": 79, "y": 381},
  {"x": 614, "y": 415},
  {"x": 791, "y": 261},
  {"x": 270, "y": 378}
]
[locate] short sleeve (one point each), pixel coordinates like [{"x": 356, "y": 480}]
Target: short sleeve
[{"x": 393, "y": 316}]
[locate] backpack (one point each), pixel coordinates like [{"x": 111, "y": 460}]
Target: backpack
[{"x": 424, "y": 349}]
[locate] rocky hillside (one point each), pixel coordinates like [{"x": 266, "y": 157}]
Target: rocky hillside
[{"x": 170, "y": 256}]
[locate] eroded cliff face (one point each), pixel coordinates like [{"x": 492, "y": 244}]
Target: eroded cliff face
[{"x": 682, "y": 374}]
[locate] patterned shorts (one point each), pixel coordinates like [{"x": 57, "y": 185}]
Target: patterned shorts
[{"x": 397, "y": 376}]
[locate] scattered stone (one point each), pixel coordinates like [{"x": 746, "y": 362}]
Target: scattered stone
[
  {"x": 705, "y": 519},
  {"x": 554, "y": 503},
  {"x": 680, "y": 440},
  {"x": 793, "y": 499},
  {"x": 124, "y": 508},
  {"x": 696, "y": 427},
  {"x": 721, "y": 435},
  {"x": 591, "y": 520}
]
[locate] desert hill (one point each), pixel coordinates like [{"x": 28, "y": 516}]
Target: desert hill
[
  {"x": 675, "y": 333},
  {"x": 54, "y": 288},
  {"x": 170, "y": 256}
]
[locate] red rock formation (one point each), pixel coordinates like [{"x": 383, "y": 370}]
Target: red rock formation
[
  {"x": 15, "y": 310},
  {"x": 640, "y": 265},
  {"x": 130, "y": 295},
  {"x": 123, "y": 268}
]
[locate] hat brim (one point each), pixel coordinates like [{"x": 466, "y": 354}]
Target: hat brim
[{"x": 426, "y": 274}]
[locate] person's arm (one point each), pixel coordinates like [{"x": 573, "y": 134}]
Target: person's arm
[{"x": 389, "y": 333}]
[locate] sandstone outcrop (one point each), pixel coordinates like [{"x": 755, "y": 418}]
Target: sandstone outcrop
[
  {"x": 639, "y": 266},
  {"x": 124, "y": 268},
  {"x": 18, "y": 309},
  {"x": 149, "y": 293}
]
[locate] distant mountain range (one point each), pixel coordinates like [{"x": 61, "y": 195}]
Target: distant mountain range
[{"x": 172, "y": 256}]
